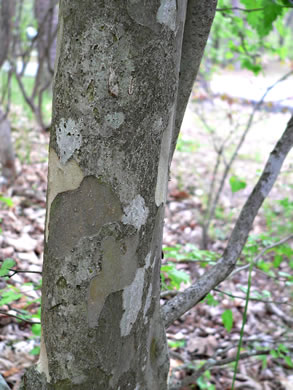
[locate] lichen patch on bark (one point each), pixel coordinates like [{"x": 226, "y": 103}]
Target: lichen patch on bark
[
  {"x": 167, "y": 13},
  {"x": 68, "y": 137},
  {"x": 136, "y": 213},
  {"x": 115, "y": 119}
]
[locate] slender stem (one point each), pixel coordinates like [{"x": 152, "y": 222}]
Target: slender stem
[{"x": 243, "y": 324}]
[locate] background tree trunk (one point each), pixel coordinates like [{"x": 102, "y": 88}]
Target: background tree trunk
[
  {"x": 7, "y": 161},
  {"x": 115, "y": 104},
  {"x": 46, "y": 13}
]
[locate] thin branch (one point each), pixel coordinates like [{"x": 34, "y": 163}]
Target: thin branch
[
  {"x": 18, "y": 271},
  {"x": 184, "y": 301},
  {"x": 19, "y": 318},
  {"x": 215, "y": 199},
  {"x": 239, "y": 9},
  {"x": 212, "y": 363},
  {"x": 248, "y": 9},
  {"x": 252, "y": 299},
  {"x": 278, "y": 312},
  {"x": 282, "y": 241}
]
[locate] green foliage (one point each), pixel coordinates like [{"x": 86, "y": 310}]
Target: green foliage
[
  {"x": 227, "y": 318},
  {"x": 236, "y": 184},
  {"x": 172, "y": 278},
  {"x": 262, "y": 20},
  {"x": 282, "y": 352},
  {"x": 190, "y": 252},
  {"x": 175, "y": 344},
  {"x": 6, "y": 200},
  {"x": 186, "y": 145},
  {"x": 204, "y": 381},
  {"x": 210, "y": 300},
  {"x": 5, "y": 266},
  {"x": 239, "y": 36},
  {"x": 11, "y": 294}
]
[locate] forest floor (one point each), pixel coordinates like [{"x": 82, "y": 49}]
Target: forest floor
[{"x": 211, "y": 330}]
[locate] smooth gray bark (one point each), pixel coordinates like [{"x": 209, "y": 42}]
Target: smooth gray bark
[{"x": 114, "y": 113}]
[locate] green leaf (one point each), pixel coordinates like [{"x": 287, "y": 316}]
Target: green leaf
[
  {"x": 274, "y": 353},
  {"x": 264, "y": 266},
  {"x": 176, "y": 277},
  {"x": 271, "y": 13},
  {"x": 36, "y": 329},
  {"x": 35, "y": 351},
  {"x": 227, "y": 318},
  {"x": 8, "y": 297},
  {"x": 288, "y": 360},
  {"x": 277, "y": 260},
  {"x": 7, "y": 201},
  {"x": 262, "y": 20},
  {"x": 5, "y": 266},
  {"x": 210, "y": 300},
  {"x": 236, "y": 184},
  {"x": 176, "y": 343},
  {"x": 246, "y": 63}
]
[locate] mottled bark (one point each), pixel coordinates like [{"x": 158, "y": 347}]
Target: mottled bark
[{"x": 115, "y": 106}]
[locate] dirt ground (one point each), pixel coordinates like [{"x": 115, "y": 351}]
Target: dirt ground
[{"x": 200, "y": 334}]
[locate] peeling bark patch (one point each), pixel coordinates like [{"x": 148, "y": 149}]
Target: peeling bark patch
[
  {"x": 61, "y": 178},
  {"x": 136, "y": 213},
  {"x": 148, "y": 260},
  {"x": 148, "y": 302},
  {"x": 68, "y": 138},
  {"x": 81, "y": 213},
  {"x": 167, "y": 13},
  {"x": 117, "y": 264},
  {"x": 163, "y": 169},
  {"x": 115, "y": 119},
  {"x": 132, "y": 300},
  {"x": 42, "y": 364}
]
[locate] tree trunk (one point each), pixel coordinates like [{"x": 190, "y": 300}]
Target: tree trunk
[
  {"x": 6, "y": 150},
  {"x": 46, "y": 13},
  {"x": 7, "y": 160},
  {"x": 6, "y": 13},
  {"x": 114, "y": 111}
]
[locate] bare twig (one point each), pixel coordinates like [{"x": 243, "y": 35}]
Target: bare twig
[
  {"x": 3, "y": 312},
  {"x": 275, "y": 310},
  {"x": 215, "y": 199},
  {"x": 247, "y": 9},
  {"x": 184, "y": 301},
  {"x": 252, "y": 299},
  {"x": 212, "y": 363},
  {"x": 18, "y": 271},
  {"x": 282, "y": 241}
]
